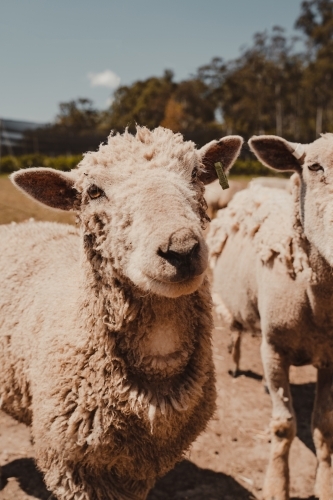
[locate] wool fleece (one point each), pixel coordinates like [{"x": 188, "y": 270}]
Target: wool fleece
[{"x": 105, "y": 343}]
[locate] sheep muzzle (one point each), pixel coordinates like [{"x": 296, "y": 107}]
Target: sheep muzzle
[{"x": 181, "y": 256}]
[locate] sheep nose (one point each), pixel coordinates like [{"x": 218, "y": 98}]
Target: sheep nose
[{"x": 182, "y": 249}]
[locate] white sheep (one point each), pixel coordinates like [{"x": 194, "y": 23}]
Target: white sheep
[
  {"x": 105, "y": 331},
  {"x": 217, "y": 198},
  {"x": 272, "y": 258},
  {"x": 271, "y": 182}
]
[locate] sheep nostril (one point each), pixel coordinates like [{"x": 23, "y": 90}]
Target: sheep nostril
[
  {"x": 195, "y": 250},
  {"x": 181, "y": 258}
]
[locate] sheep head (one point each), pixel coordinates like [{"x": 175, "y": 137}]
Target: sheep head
[
  {"x": 140, "y": 204},
  {"x": 313, "y": 182}
]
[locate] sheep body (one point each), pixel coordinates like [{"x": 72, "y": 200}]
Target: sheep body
[
  {"x": 271, "y": 182},
  {"x": 56, "y": 362},
  {"x": 272, "y": 251},
  {"x": 257, "y": 229},
  {"x": 105, "y": 334},
  {"x": 59, "y": 364},
  {"x": 217, "y": 198}
]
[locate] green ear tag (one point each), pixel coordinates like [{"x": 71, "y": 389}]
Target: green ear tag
[{"x": 221, "y": 175}]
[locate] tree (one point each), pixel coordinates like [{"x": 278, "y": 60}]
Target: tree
[
  {"x": 316, "y": 23},
  {"x": 143, "y": 102},
  {"x": 75, "y": 130},
  {"x": 255, "y": 93},
  {"x": 78, "y": 114},
  {"x": 191, "y": 112}
]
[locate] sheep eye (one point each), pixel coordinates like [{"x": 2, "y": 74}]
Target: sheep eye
[
  {"x": 315, "y": 167},
  {"x": 194, "y": 174},
  {"x": 95, "y": 192}
]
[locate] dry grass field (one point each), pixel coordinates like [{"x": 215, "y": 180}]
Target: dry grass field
[{"x": 227, "y": 462}]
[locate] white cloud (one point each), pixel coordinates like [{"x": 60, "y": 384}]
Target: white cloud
[
  {"x": 105, "y": 78},
  {"x": 109, "y": 101}
]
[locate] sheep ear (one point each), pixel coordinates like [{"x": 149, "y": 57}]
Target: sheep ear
[
  {"x": 275, "y": 152},
  {"x": 48, "y": 186},
  {"x": 225, "y": 150}
]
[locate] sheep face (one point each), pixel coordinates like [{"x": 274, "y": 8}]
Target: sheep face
[
  {"x": 314, "y": 165},
  {"x": 140, "y": 205}
]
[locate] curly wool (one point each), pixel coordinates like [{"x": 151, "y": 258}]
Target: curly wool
[
  {"x": 110, "y": 406},
  {"x": 146, "y": 150},
  {"x": 111, "y": 413},
  {"x": 269, "y": 219}
]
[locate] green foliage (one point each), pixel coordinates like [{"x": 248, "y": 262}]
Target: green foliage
[
  {"x": 190, "y": 111},
  {"x": 9, "y": 164},
  {"x": 143, "y": 103},
  {"x": 78, "y": 114}
]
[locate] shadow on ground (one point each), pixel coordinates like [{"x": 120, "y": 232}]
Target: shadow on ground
[
  {"x": 303, "y": 399},
  {"x": 302, "y": 498},
  {"x": 185, "y": 481},
  {"x": 28, "y": 477},
  {"x": 247, "y": 374}
]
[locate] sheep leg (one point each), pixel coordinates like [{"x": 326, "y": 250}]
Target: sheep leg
[
  {"x": 283, "y": 424},
  {"x": 322, "y": 429},
  {"x": 234, "y": 350}
]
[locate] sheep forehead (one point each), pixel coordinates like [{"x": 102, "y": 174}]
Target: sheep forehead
[
  {"x": 146, "y": 150},
  {"x": 321, "y": 150}
]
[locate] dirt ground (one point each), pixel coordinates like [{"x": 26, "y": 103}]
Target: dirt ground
[{"x": 227, "y": 462}]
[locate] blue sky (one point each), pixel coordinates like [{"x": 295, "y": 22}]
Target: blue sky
[{"x": 57, "y": 50}]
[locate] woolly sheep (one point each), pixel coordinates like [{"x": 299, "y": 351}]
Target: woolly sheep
[
  {"x": 216, "y": 198},
  {"x": 271, "y": 182},
  {"x": 272, "y": 258},
  {"x": 106, "y": 330}
]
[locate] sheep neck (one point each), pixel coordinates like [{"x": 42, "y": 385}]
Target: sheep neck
[
  {"x": 320, "y": 278},
  {"x": 153, "y": 338}
]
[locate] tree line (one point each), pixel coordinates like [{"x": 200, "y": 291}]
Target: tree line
[{"x": 279, "y": 85}]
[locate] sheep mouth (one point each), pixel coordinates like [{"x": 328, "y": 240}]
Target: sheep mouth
[
  {"x": 173, "y": 280},
  {"x": 172, "y": 288}
]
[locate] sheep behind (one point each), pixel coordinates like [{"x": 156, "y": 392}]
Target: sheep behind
[{"x": 273, "y": 252}]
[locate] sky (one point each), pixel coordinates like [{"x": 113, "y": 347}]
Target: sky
[{"x": 54, "y": 51}]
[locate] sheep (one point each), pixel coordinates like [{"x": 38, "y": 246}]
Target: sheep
[
  {"x": 272, "y": 258},
  {"x": 217, "y": 199},
  {"x": 106, "y": 329},
  {"x": 271, "y": 182}
]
